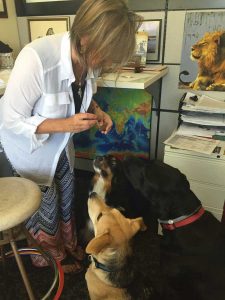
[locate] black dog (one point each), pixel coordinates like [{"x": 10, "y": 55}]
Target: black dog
[
  {"x": 193, "y": 243},
  {"x": 111, "y": 184}
]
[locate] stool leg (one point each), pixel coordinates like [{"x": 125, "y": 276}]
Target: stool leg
[
  {"x": 2, "y": 253},
  {"x": 21, "y": 267}
]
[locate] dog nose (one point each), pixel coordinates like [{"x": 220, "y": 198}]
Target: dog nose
[{"x": 93, "y": 195}]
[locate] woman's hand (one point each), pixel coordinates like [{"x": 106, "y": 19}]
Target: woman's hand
[
  {"x": 81, "y": 122},
  {"x": 76, "y": 123},
  {"x": 104, "y": 120}
]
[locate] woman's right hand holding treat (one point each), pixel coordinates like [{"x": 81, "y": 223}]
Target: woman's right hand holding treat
[
  {"x": 81, "y": 122},
  {"x": 76, "y": 123}
]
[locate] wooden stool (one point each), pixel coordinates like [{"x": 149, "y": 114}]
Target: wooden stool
[{"x": 19, "y": 199}]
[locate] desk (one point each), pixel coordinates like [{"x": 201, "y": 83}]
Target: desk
[
  {"x": 206, "y": 174},
  {"x": 125, "y": 99},
  {"x": 111, "y": 80},
  {"x": 131, "y": 80}
]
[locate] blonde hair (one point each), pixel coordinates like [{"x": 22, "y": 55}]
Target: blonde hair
[{"x": 110, "y": 29}]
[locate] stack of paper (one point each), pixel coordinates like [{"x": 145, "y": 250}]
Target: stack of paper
[
  {"x": 204, "y": 118},
  {"x": 205, "y": 111},
  {"x": 202, "y": 127},
  {"x": 196, "y": 144},
  {"x": 199, "y": 130},
  {"x": 203, "y": 103}
]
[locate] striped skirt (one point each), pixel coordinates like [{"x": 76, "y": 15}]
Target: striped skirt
[{"x": 53, "y": 225}]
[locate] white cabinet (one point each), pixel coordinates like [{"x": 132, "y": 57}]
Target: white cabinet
[{"x": 206, "y": 174}]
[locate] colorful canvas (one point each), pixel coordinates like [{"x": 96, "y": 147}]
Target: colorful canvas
[{"x": 130, "y": 110}]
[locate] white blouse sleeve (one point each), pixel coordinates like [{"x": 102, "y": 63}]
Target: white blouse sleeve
[{"x": 23, "y": 90}]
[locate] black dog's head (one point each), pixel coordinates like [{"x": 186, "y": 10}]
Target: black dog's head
[
  {"x": 111, "y": 183},
  {"x": 165, "y": 187}
]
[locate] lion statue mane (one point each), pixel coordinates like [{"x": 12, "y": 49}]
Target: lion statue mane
[{"x": 209, "y": 52}]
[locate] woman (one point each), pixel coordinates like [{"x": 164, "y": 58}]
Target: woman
[{"x": 48, "y": 99}]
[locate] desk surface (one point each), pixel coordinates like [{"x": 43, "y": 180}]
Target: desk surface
[
  {"x": 126, "y": 79},
  {"x": 131, "y": 80}
]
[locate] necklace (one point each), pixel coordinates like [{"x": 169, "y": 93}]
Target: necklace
[
  {"x": 80, "y": 91},
  {"x": 81, "y": 82},
  {"x": 78, "y": 87},
  {"x": 80, "y": 74}
]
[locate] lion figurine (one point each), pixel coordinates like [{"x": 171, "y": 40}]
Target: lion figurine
[{"x": 209, "y": 52}]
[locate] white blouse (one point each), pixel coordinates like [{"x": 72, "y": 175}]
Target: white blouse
[{"x": 39, "y": 88}]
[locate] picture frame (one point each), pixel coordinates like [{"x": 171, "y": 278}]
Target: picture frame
[
  {"x": 141, "y": 46},
  {"x": 204, "y": 32},
  {"x": 3, "y": 9},
  {"x": 36, "y": 1},
  {"x": 153, "y": 27},
  {"x": 46, "y": 8},
  {"x": 39, "y": 27}
]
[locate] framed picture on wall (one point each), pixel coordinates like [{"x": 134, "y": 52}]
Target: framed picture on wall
[
  {"x": 46, "y": 7},
  {"x": 35, "y": 1},
  {"x": 3, "y": 9},
  {"x": 39, "y": 27},
  {"x": 153, "y": 28},
  {"x": 202, "y": 58}
]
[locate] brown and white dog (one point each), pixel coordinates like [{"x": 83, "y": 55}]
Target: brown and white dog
[{"x": 111, "y": 272}]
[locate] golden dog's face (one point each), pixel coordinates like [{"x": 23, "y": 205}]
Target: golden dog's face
[{"x": 111, "y": 228}]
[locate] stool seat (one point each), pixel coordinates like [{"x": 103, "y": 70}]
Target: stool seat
[{"x": 19, "y": 199}]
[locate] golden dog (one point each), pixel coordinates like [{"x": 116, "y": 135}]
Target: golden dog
[{"x": 109, "y": 274}]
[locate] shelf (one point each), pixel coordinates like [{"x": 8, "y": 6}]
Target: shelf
[{"x": 131, "y": 80}]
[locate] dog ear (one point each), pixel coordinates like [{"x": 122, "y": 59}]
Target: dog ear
[
  {"x": 137, "y": 224},
  {"x": 98, "y": 243}
]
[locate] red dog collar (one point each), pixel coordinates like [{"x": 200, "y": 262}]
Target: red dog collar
[{"x": 182, "y": 221}]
